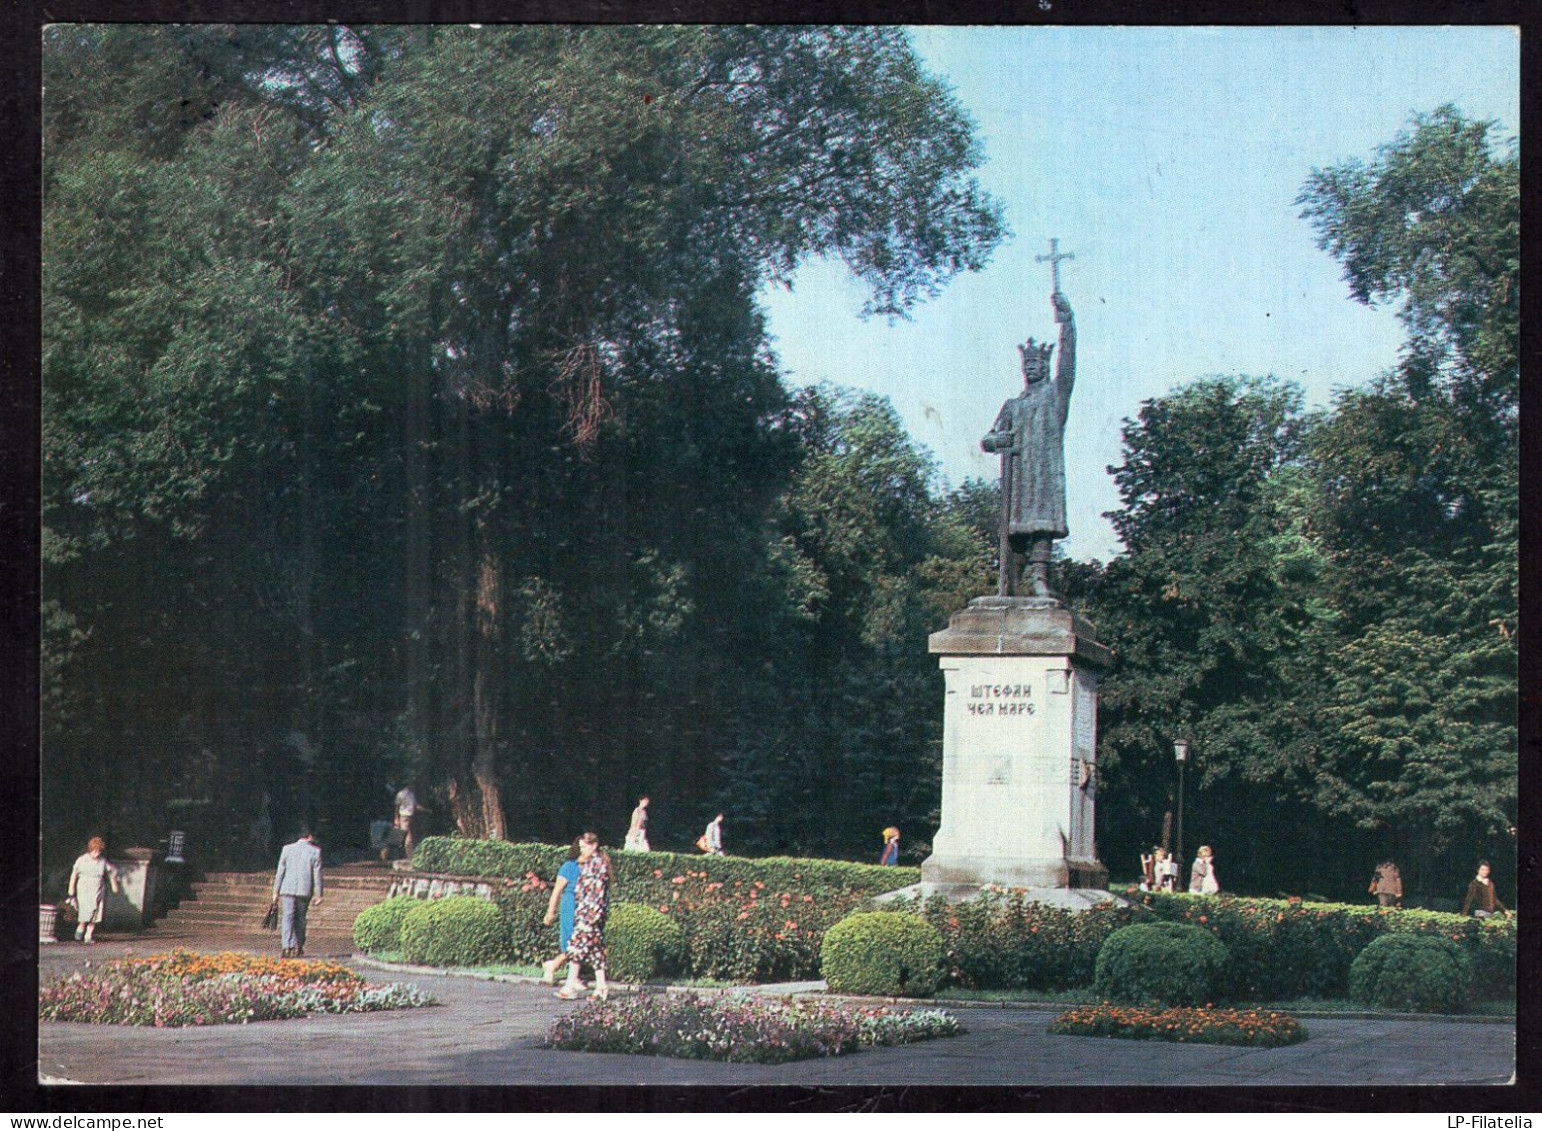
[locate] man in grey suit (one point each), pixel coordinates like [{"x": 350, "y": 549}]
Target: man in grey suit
[{"x": 296, "y": 885}]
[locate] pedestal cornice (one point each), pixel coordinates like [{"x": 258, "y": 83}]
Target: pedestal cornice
[{"x": 1019, "y": 626}]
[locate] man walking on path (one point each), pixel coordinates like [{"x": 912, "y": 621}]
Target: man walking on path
[{"x": 297, "y": 883}]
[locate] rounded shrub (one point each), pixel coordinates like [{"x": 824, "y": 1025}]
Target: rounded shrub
[
  {"x": 378, "y": 929},
  {"x": 1412, "y": 973},
  {"x": 888, "y": 953},
  {"x": 459, "y": 930},
  {"x": 642, "y": 943},
  {"x": 1160, "y": 963}
]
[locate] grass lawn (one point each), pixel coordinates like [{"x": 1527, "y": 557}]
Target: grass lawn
[
  {"x": 1502, "y": 1008},
  {"x": 535, "y": 971},
  {"x": 1505, "y": 1008}
]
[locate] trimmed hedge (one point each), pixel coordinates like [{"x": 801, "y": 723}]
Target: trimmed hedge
[
  {"x": 1284, "y": 948},
  {"x": 762, "y": 920},
  {"x": 887, "y": 953},
  {"x": 379, "y": 928},
  {"x": 459, "y": 930},
  {"x": 1001, "y": 941},
  {"x": 642, "y": 943},
  {"x": 496, "y": 858},
  {"x": 1412, "y": 973},
  {"x": 1160, "y": 964}
]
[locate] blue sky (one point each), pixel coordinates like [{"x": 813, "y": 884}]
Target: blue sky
[{"x": 1168, "y": 161}]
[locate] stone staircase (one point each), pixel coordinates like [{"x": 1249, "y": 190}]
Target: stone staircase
[{"x": 234, "y": 902}]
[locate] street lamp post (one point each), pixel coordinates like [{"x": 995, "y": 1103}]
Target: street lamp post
[{"x": 1181, "y": 754}]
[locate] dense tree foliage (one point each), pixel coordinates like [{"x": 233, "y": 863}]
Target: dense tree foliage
[
  {"x": 1328, "y": 605},
  {"x": 409, "y": 413}
]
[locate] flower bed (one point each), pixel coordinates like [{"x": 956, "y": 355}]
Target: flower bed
[
  {"x": 189, "y": 988},
  {"x": 742, "y": 1029},
  {"x": 734, "y": 930},
  {"x": 1206, "y": 1026}
]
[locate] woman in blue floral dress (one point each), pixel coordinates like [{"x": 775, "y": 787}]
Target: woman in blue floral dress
[
  {"x": 562, "y": 893},
  {"x": 591, "y": 903}
]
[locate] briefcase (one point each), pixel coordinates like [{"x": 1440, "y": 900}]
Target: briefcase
[{"x": 270, "y": 920}]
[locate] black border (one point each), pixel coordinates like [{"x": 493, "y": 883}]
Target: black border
[{"x": 20, "y": 289}]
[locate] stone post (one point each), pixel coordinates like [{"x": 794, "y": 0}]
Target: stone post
[{"x": 133, "y": 905}]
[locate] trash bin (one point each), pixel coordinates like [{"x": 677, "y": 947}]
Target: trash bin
[{"x": 47, "y": 923}]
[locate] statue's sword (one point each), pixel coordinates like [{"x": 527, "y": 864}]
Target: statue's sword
[{"x": 1005, "y": 573}]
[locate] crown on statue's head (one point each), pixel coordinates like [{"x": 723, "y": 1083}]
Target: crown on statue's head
[{"x": 1035, "y": 357}]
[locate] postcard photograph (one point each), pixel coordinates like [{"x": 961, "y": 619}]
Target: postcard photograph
[{"x": 779, "y": 554}]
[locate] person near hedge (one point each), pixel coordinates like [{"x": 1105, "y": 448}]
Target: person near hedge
[
  {"x": 637, "y": 831},
  {"x": 89, "y": 880},
  {"x": 407, "y": 809},
  {"x": 1166, "y": 870},
  {"x": 1481, "y": 899},
  {"x": 297, "y": 885},
  {"x": 711, "y": 841},
  {"x": 1202, "y": 877},
  {"x": 890, "y": 855},
  {"x": 591, "y": 903},
  {"x": 1387, "y": 884},
  {"x": 563, "y": 893}
]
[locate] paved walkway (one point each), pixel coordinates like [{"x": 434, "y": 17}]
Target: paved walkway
[{"x": 489, "y": 1032}]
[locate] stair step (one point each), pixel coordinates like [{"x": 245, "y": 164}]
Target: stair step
[
  {"x": 222, "y": 897},
  {"x": 256, "y": 910},
  {"x": 249, "y": 924},
  {"x": 234, "y": 902},
  {"x": 216, "y": 914},
  {"x": 243, "y": 880}
]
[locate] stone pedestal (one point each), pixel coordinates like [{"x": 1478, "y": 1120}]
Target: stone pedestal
[
  {"x": 1019, "y": 748},
  {"x": 132, "y": 906}
]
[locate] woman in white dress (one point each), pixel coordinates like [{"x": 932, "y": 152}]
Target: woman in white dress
[
  {"x": 89, "y": 879},
  {"x": 1202, "y": 877}
]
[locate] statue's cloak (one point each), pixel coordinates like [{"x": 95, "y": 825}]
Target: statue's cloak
[{"x": 1032, "y": 426}]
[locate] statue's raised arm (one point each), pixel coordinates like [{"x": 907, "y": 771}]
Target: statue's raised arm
[{"x": 1065, "y": 371}]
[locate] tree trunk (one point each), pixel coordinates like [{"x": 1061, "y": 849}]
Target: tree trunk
[
  {"x": 422, "y": 635},
  {"x": 487, "y": 686}
]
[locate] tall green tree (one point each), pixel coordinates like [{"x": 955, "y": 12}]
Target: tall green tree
[
  {"x": 1433, "y": 224},
  {"x": 1208, "y": 610},
  {"x": 871, "y": 559},
  {"x": 1418, "y": 477},
  {"x": 425, "y": 365},
  {"x": 1328, "y": 604}
]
